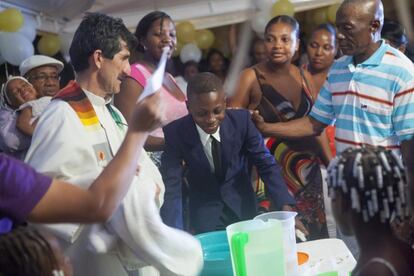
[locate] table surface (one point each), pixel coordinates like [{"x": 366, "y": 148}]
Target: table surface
[{"x": 327, "y": 255}]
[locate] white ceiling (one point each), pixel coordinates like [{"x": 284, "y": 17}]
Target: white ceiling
[
  {"x": 110, "y": 6},
  {"x": 65, "y": 15},
  {"x": 60, "y": 9}
]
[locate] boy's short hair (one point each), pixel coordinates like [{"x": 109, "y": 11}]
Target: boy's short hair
[{"x": 204, "y": 83}]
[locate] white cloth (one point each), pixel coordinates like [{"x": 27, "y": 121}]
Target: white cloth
[
  {"x": 12, "y": 141},
  {"x": 63, "y": 148},
  {"x": 37, "y": 106},
  {"x": 206, "y": 139}
]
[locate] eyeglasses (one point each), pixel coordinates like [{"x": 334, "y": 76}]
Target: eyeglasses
[{"x": 44, "y": 78}]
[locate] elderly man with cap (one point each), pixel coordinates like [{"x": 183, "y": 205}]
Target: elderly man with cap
[{"x": 43, "y": 73}]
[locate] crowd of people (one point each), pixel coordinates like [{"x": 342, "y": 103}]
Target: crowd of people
[{"x": 115, "y": 186}]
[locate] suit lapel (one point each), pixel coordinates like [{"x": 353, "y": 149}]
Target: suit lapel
[
  {"x": 227, "y": 135},
  {"x": 191, "y": 138}
]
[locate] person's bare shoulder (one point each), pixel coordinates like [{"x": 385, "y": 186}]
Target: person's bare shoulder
[
  {"x": 127, "y": 97},
  {"x": 375, "y": 268},
  {"x": 130, "y": 86},
  {"x": 248, "y": 73},
  {"x": 241, "y": 95},
  {"x": 295, "y": 71},
  {"x": 249, "y": 76}
]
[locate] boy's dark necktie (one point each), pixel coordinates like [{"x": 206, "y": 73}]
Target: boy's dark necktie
[{"x": 216, "y": 153}]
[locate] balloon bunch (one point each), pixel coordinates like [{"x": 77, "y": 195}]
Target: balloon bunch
[
  {"x": 190, "y": 42},
  {"x": 269, "y": 9},
  {"x": 49, "y": 45},
  {"x": 17, "y": 34}
]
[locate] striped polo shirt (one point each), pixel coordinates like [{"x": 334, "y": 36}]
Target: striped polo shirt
[{"x": 372, "y": 102}]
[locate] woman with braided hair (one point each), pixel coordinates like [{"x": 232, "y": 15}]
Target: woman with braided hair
[
  {"x": 368, "y": 190},
  {"x": 26, "y": 252}
]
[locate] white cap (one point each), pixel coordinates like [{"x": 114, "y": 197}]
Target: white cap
[{"x": 37, "y": 61}]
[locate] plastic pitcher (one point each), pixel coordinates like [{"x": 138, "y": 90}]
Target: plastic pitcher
[
  {"x": 289, "y": 239},
  {"x": 256, "y": 248}
]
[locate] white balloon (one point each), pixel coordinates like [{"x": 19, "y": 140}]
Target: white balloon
[
  {"x": 260, "y": 20},
  {"x": 15, "y": 48},
  {"x": 264, "y": 5},
  {"x": 65, "y": 42},
  {"x": 189, "y": 52},
  {"x": 29, "y": 28}
]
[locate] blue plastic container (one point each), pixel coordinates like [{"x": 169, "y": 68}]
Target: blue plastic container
[{"x": 216, "y": 252}]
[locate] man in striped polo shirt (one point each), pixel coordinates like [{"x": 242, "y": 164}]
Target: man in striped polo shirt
[{"x": 369, "y": 93}]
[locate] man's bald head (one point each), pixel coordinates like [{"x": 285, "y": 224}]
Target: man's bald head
[
  {"x": 359, "y": 24},
  {"x": 366, "y": 9}
]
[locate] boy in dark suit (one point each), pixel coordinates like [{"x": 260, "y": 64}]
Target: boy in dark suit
[{"x": 215, "y": 145}]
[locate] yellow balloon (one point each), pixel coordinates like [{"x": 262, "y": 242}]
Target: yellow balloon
[
  {"x": 204, "y": 38},
  {"x": 185, "y": 32},
  {"x": 11, "y": 20},
  {"x": 177, "y": 49},
  {"x": 332, "y": 13},
  {"x": 319, "y": 16},
  {"x": 283, "y": 7},
  {"x": 48, "y": 45}
]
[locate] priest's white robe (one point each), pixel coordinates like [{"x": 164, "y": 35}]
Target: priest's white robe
[{"x": 63, "y": 148}]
